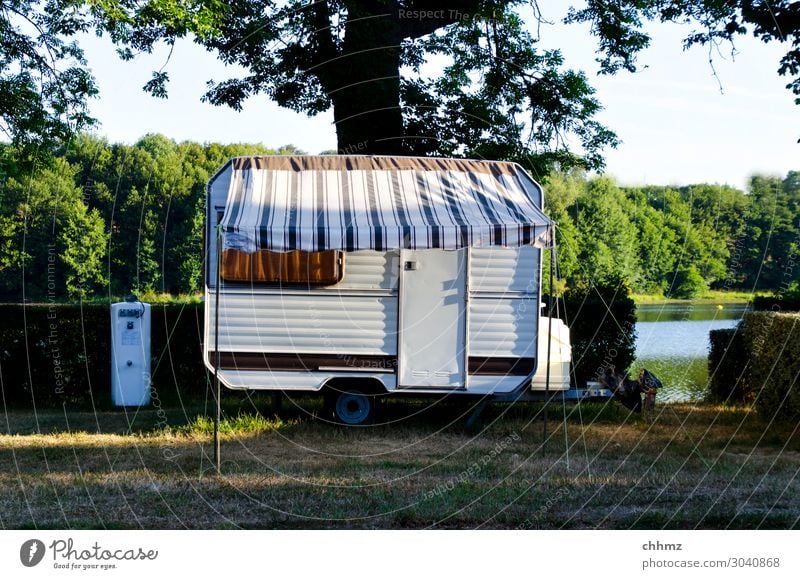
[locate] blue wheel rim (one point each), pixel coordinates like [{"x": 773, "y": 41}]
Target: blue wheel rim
[{"x": 352, "y": 407}]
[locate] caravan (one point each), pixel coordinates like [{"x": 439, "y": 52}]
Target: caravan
[{"x": 354, "y": 276}]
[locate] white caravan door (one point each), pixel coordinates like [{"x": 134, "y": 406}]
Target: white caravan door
[{"x": 433, "y": 322}]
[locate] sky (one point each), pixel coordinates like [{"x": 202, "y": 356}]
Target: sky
[{"x": 678, "y": 123}]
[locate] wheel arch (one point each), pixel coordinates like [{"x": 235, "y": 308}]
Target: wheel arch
[{"x": 365, "y": 384}]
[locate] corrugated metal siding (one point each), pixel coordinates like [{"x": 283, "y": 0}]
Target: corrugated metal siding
[
  {"x": 502, "y": 327},
  {"x": 312, "y": 323},
  {"x": 370, "y": 270},
  {"x": 504, "y": 269}
]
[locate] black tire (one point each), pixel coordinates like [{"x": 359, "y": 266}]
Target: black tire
[{"x": 353, "y": 407}]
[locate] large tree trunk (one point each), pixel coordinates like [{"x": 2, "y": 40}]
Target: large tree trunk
[
  {"x": 366, "y": 104},
  {"x": 362, "y": 75},
  {"x": 365, "y": 87}
]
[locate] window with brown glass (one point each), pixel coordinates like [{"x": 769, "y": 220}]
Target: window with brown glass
[{"x": 294, "y": 267}]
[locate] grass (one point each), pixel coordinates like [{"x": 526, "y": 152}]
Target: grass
[
  {"x": 714, "y": 296},
  {"x": 150, "y": 297},
  {"x": 242, "y": 423},
  {"x": 701, "y": 466}
]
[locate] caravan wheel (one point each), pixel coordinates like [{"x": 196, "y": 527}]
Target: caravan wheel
[{"x": 354, "y": 408}]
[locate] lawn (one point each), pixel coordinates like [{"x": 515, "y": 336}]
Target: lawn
[
  {"x": 689, "y": 466},
  {"x": 709, "y": 296}
]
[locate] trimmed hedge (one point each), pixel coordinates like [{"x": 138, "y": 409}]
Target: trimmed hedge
[
  {"x": 776, "y": 304},
  {"x": 61, "y": 354},
  {"x": 760, "y": 362},
  {"x": 727, "y": 367},
  {"x": 774, "y": 353},
  {"x": 53, "y": 355}
]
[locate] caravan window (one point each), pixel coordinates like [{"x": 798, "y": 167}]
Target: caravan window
[{"x": 294, "y": 267}]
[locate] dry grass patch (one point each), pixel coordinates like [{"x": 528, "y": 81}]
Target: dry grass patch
[{"x": 692, "y": 466}]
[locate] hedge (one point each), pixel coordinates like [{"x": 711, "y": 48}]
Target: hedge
[
  {"x": 760, "y": 361},
  {"x": 60, "y": 354},
  {"x": 602, "y": 324},
  {"x": 787, "y": 303},
  {"x": 773, "y": 341},
  {"x": 727, "y": 367}
]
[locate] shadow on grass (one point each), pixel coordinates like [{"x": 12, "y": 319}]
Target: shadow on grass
[{"x": 286, "y": 467}]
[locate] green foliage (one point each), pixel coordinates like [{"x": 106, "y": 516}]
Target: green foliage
[
  {"x": 622, "y": 28},
  {"x": 602, "y": 321},
  {"x": 727, "y": 367},
  {"x": 44, "y": 83},
  {"x": 774, "y": 352},
  {"x": 607, "y": 241},
  {"x": 677, "y": 242},
  {"x": 106, "y": 218},
  {"x": 687, "y": 283},
  {"x": 57, "y": 245},
  {"x": 500, "y": 97},
  {"x": 522, "y": 109},
  {"x": 759, "y": 361},
  {"x": 769, "y": 258}
]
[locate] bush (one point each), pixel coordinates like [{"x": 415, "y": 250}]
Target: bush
[
  {"x": 61, "y": 354},
  {"x": 602, "y": 323},
  {"x": 688, "y": 284},
  {"x": 727, "y": 367},
  {"x": 774, "y": 351}
]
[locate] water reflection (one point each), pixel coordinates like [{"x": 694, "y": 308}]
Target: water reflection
[{"x": 672, "y": 342}]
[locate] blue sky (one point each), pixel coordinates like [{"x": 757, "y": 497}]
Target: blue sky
[{"x": 676, "y": 125}]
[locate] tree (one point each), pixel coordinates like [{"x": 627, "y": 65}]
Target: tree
[
  {"x": 44, "y": 83},
  {"x": 562, "y": 190},
  {"x": 619, "y": 27},
  {"x": 609, "y": 247},
  {"x": 58, "y": 245},
  {"x": 152, "y": 199},
  {"x": 82, "y": 238},
  {"x": 524, "y": 108},
  {"x": 771, "y": 235},
  {"x": 656, "y": 241},
  {"x": 687, "y": 283},
  {"x": 497, "y": 95}
]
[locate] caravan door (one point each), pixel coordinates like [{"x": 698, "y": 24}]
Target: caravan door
[{"x": 433, "y": 321}]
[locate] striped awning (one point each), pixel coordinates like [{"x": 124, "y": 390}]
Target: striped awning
[{"x": 286, "y": 203}]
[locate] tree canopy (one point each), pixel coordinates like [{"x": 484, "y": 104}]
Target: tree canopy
[{"x": 487, "y": 89}]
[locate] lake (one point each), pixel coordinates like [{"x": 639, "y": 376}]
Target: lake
[{"x": 672, "y": 342}]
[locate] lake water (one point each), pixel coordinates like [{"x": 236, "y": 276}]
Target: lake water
[{"x": 672, "y": 342}]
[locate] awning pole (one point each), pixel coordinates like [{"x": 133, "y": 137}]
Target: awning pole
[
  {"x": 549, "y": 345},
  {"x": 218, "y": 393}
]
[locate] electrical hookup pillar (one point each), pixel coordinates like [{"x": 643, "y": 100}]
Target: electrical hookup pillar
[{"x": 130, "y": 353}]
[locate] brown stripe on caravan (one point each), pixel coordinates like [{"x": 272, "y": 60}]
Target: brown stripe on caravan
[
  {"x": 301, "y": 362},
  {"x": 372, "y": 163},
  {"x": 478, "y": 366},
  {"x": 501, "y": 366}
]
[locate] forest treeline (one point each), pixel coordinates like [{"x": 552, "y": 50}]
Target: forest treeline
[
  {"x": 678, "y": 241},
  {"x": 102, "y": 219}
]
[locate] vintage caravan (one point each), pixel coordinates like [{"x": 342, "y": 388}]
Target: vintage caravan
[{"x": 359, "y": 276}]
